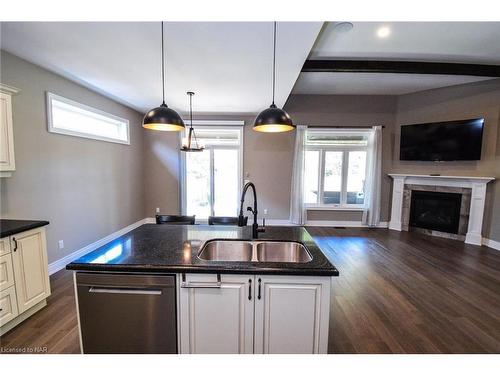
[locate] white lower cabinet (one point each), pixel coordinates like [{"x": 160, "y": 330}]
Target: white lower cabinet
[
  {"x": 253, "y": 314},
  {"x": 24, "y": 277},
  {"x": 292, "y": 315},
  {"x": 216, "y": 319},
  {"x": 29, "y": 258}
]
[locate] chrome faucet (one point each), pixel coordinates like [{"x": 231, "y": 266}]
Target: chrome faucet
[{"x": 241, "y": 220}]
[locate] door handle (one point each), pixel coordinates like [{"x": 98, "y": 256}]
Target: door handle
[
  {"x": 260, "y": 285},
  {"x": 191, "y": 284},
  {"x": 200, "y": 284},
  {"x": 249, "y": 289},
  {"x": 94, "y": 289},
  {"x": 15, "y": 243}
]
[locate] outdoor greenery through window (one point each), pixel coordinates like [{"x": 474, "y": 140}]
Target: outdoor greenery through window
[
  {"x": 335, "y": 168},
  {"x": 212, "y": 178}
]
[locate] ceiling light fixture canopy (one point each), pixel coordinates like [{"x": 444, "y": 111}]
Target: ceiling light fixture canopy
[
  {"x": 187, "y": 143},
  {"x": 162, "y": 117},
  {"x": 273, "y": 119}
]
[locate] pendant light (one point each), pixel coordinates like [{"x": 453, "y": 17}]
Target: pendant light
[
  {"x": 187, "y": 143},
  {"x": 273, "y": 119},
  {"x": 162, "y": 117}
]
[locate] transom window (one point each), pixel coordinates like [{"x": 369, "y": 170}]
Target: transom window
[
  {"x": 68, "y": 117},
  {"x": 211, "y": 179},
  {"x": 335, "y": 168}
]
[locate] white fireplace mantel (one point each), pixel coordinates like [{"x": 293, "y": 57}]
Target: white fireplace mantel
[{"x": 478, "y": 197}]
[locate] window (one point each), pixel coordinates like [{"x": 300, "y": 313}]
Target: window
[
  {"x": 335, "y": 168},
  {"x": 211, "y": 179},
  {"x": 72, "y": 118}
]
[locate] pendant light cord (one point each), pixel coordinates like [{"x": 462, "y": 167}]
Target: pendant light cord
[
  {"x": 162, "y": 65},
  {"x": 274, "y": 60}
]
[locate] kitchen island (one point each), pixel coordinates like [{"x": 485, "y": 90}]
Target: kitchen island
[{"x": 221, "y": 306}]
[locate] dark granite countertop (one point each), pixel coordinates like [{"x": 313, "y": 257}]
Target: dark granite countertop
[
  {"x": 174, "y": 248},
  {"x": 9, "y": 227}
]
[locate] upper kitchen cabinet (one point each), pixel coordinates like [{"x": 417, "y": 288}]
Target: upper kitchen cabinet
[{"x": 7, "y": 161}]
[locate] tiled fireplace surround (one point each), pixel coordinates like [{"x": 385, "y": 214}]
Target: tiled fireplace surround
[
  {"x": 473, "y": 190},
  {"x": 464, "y": 209}
]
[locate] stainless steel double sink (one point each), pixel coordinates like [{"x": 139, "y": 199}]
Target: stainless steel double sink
[{"x": 254, "y": 251}]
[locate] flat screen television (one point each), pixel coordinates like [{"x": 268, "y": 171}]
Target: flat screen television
[{"x": 442, "y": 141}]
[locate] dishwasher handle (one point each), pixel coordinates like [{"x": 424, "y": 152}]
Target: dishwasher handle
[{"x": 94, "y": 289}]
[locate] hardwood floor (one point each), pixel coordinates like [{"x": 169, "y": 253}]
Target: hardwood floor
[
  {"x": 55, "y": 327},
  {"x": 401, "y": 292},
  {"x": 397, "y": 293}
]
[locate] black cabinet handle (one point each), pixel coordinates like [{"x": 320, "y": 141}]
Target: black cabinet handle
[
  {"x": 15, "y": 243},
  {"x": 249, "y": 289},
  {"x": 258, "y": 294}
]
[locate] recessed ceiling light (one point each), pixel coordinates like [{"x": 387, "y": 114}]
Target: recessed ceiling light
[
  {"x": 383, "y": 32},
  {"x": 343, "y": 27}
]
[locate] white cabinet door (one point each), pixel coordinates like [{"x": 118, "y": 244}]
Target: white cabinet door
[
  {"x": 292, "y": 314},
  {"x": 29, "y": 258},
  {"x": 217, "y": 319},
  {"x": 6, "y": 134},
  {"x": 8, "y": 305}
]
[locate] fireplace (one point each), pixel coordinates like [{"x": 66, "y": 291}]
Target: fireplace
[
  {"x": 473, "y": 199},
  {"x": 436, "y": 211}
]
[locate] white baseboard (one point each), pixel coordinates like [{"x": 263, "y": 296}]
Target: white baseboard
[
  {"x": 312, "y": 223},
  {"x": 349, "y": 224},
  {"x": 271, "y": 222},
  {"x": 279, "y": 222},
  {"x": 491, "y": 243},
  {"x": 61, "y": 263}
]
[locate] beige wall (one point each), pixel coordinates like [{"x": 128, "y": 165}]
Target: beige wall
[
  {"x": 87, "y": 189},
  {"x": 350, "y": 111},
  {"x": 268, "y": 158},
  {"x": 452, "y": 103},
  {"x": 267, "y": 161}
]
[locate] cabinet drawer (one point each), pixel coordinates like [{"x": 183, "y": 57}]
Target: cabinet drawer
[
  {"x": 4, "y": 246},
  {"x": 8, "y": 305},
  {"x": 6, "y": 272}
]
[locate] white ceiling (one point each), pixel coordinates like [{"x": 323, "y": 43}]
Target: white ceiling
[
  {"x": 459, "y": 42},
  {"x": 227, "y": 65}
]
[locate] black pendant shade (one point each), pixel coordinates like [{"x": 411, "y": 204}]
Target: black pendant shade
[
  {"x": 163, "y": 118},
  {"x": 273, "y": 119}
]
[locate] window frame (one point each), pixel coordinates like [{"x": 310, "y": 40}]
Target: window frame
[
  {"x": 345, "y": 149},
  {"x": 211, "y": 124},
  {"x": 52, "y": 129}
]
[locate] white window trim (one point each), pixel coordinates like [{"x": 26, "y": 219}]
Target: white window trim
[
  {"x": 52, "y": 129},
  {"x": 182, "y": 158},
  {"x": 322, "y": 149}
]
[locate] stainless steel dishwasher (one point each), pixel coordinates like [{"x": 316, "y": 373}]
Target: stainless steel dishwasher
[{"x": 127, "y": 313}]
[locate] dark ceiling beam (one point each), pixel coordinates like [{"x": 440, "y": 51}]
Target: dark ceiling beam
[{"x": 400, "y": 67}]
